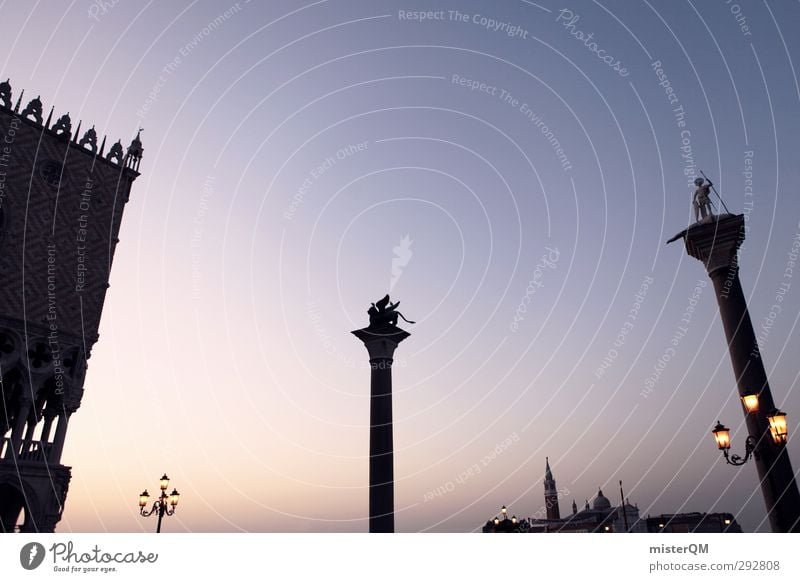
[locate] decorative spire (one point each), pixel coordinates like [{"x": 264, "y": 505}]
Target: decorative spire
[
  {"x": 77, "y": 131},
  {"x": 135, "y": 151},
  {"x": 103, "y": 146},
  {"x": 16, "y": 109},
  {"x": 49, "y": 118},
  {"x": 574, "y": 507},
  {"x": 548, "y": 474}
]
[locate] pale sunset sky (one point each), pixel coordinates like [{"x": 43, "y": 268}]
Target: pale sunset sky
[{"x": 509, "y": 178}]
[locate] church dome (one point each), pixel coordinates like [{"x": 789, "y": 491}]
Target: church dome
[{"x": 601, "y": 502}]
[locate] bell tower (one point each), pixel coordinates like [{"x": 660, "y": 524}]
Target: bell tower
[
  {"x": 550, "y": 492},
  {"x": 61, "y": 204}
]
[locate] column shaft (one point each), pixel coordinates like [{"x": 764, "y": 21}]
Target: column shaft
[
  {"x": 61, "y": 435},
  {"x": 381, "y": 343},
  {"x": 715, "y": 243},
  {"x": 772, "y": 462},
  {"x": 381, "y": 448}
]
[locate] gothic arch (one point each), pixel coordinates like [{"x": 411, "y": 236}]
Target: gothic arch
[{"x": 16, "y": 496}]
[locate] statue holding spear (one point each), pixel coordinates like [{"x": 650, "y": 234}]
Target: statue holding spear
[{"x": 701, "y": 199}]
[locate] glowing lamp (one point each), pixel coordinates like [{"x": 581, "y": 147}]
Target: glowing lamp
[
  {"x": 143, "y": 497},
  {"x": 174, "y": 497},
  {"x": 750, "y": 402},
  {"x": 723, "y": 436},
  {"x": 164, "y": 482},
  {"x": 777, "y": 426}
]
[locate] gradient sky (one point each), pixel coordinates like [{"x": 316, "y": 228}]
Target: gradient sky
[{"x": 225, "y": 357}]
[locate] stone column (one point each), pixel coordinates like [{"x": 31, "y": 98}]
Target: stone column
[
  {"x": 715, "y": 243},
  {"x": 61, "y": 434},
  {"x": 48, "y": 424},
  {"x": 28, "y": 439},
  {"x": 17, "y": 431},
  {"x": 381, "y": 343}
]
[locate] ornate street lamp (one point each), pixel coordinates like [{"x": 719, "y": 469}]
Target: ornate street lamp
[
  {"x": 722, "y": 435},
  {"x": 777, "y": 426},
  {"x": 750, "y": 402},
  {"x": 165, "y": 504}
]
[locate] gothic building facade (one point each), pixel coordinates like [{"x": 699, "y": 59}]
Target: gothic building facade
[{"x": 61, "y": 202}]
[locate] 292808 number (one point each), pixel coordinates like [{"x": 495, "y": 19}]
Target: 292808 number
[{"x": 751, "y": 565}]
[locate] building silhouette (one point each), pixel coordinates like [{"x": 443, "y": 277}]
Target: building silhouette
[
  {"x": 61, "y": 202},
  {"x": 693, "y": 523},
  {"x": 598, "y": 517},
  {"x": 550, "y": 492},
  {"x": 602, "y": 517}
]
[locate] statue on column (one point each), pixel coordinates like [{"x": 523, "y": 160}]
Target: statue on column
[
  {"x": 701, "y": 199},
  {"x": 384, "y": 313}
]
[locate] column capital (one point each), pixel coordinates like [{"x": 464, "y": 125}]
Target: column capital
[
  {"x": 715, "y": 242},
  {"x": 381, "y": 341}
]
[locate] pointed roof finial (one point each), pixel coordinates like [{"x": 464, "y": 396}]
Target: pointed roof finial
[
  {"x": 16, "y": 108},
  {"x": 49, "y": 118},
  {"x": 103, "y": 146}
]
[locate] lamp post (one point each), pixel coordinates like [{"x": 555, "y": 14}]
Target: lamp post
[
  {"x": 163, "y": 505},
  {"x": 777, "y": 428},
  {"x": 722, "y": 435}
]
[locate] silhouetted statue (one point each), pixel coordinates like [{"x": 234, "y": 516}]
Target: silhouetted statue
[
  {"x": 701, "y": 200},
  {"x": 384, "y": 312}
]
